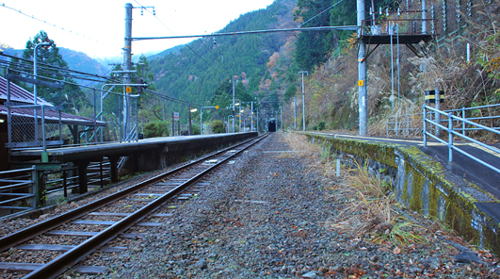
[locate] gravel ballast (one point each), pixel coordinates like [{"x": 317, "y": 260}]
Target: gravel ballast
[
  {"x": 271, "y": 215},
  {"x": 268, "y": 216}
]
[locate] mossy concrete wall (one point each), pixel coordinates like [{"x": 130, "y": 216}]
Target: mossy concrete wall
[{"x": 424, "y": 185}]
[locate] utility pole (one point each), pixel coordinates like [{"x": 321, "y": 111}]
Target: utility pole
[
  {"x": 304, "y": 101},
  {"x": 281, "y": 111},
  {"x": 127, "y": 65},
  {"x": 361, "y": 70},
  {"x": 294, "y": 113},
  {"x": 257, "y": 121},
  {"x": 232, "y": 80}
]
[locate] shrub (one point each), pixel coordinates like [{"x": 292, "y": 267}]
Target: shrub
[
  {"x": 218, "y": 127},
  {"x": 156, "y": 129},
  {"x": 195, "y": 129},
  {"x": 321, "y": 125}
]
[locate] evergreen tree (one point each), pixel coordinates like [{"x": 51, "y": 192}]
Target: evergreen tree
[{"x": 52, "y": 66}]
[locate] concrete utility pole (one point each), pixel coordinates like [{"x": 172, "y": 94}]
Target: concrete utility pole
[
  {"x": 294, "y": 113},
  {"x": 361, "y": 70},
  {"x": 232, "y": 80},
  {"x": 127, "y": 65},
  {"x": 281, "y": 112},
  {"x": 257, "y": 121},
  {"x": 303, "y": 101}
]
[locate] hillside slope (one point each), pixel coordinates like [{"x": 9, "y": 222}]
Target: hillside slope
[{"x": 194, "y": 71}]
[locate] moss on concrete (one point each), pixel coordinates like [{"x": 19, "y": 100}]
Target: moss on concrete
[{"x": 426, "y": 181}]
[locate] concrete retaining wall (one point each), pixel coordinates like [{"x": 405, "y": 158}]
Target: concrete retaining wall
[{"x": 424, "y": 185}]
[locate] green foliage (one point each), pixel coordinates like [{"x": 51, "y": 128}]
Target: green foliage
[
  {"x": 321, "y": 125},
  {"x": 192, "y": 73},
  {"x": 73, "y": 99},
  {"x": 290, "y": 91},
  {"x": 156, "y": 129},
  {"x": 195, "y": 129},
  {"x": 218, "y": 127}
]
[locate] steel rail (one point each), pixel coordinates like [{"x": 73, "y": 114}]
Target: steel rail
[
  {"x": 13, "y": 239},
  {"x": 73, "y": 256}
]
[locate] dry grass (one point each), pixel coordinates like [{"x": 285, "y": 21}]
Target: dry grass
[{"x": 367, "y": 203}]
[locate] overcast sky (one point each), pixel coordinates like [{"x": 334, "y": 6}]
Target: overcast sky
[{"x": 97, "y": 28}]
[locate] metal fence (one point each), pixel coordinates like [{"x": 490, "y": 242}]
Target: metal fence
[
  {"x": 57, "y": 185},
  {"x": 17, "y": 191},
  {"x": 404, "y": 125},
  {"x": 458, "y": 126}
]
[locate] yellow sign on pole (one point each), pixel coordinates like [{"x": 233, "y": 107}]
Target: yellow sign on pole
[
  {"x": 128, "y": 89},
  {"x": 361, "y": 82},
  {"x": 217, "y": 107}
]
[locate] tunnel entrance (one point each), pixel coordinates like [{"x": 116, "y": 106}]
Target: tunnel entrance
[{"x": 271, "y": 126}]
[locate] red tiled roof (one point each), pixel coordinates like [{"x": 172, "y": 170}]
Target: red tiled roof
[
  {"x": 19, "y": 94},
  {"x": 52, "y": 116}
]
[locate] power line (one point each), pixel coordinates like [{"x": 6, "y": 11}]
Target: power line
[
  {"x": 187, "y": 45},
  {"x": 300, "y": 29},
  {"x": 224, "y": 68},
  {"x": 45, "y": 22},
  {"x": 170, "y": 98},
  {"x": 45, "y": 66},
  {"x": 322, "y": 12}
]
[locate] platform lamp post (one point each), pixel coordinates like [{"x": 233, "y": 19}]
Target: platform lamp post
[
  {"x": 251, "y": 117},
  {"x": 35, "y": 73},
  {"x": 201, "y": 116},
  {"x": 233, "y": 83},
  {"x": 239, "y": 114},
  {"x": 303, "y": 101},
  {"x": 190, "y": 126},
  {"x": 228, "y": 122}
]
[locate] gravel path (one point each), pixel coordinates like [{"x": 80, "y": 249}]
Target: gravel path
[{"x": 269, "y": 216}]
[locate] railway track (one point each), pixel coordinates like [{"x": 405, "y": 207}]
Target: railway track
[{"x": 53, "y": 246}]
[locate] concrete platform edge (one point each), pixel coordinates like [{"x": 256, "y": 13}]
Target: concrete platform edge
[{"x": 424, "y": 185}]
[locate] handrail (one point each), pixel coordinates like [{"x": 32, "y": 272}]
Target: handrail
[
  {"x": 16, "y": 180},
  {"x": 452, "y": 132}
]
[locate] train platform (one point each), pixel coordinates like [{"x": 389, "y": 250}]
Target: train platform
[
  {"x": 463, "y": 193},
  {"x": 470, "y": 170},
  {"x": 142, "y": 155}
]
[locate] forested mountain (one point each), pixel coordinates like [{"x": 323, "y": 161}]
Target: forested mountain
[
  {"x": 193, "y": 72},
  {"x": 76, "y": 60}
]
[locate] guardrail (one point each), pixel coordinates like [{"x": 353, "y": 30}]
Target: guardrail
[
  {"x": 17, "y": 191},
  {"x": 452, "y": 131}
]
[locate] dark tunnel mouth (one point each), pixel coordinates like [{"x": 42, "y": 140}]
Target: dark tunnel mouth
[{"x": 271, "y": 126}]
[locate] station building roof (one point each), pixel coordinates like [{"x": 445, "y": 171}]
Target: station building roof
[{"x": 23, "y": 96}]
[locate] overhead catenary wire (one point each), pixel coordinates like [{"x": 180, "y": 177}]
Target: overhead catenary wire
[
  {"x": 42, "y": 65},
  {"x": 322, "y": 12},
  {"x": 45, "y": 22},
  {"x": 187, "y": 45},
  {"x": 301, "y": 29},
  {"x": 170, "y": 98}
]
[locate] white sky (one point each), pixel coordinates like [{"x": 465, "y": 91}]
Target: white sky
[{"x": 101, "y": 24}]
